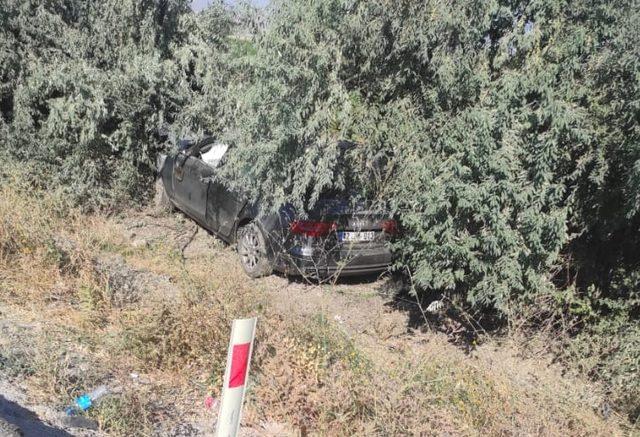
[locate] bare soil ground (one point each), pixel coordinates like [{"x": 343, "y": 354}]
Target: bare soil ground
[{"x": 137, "y": 301}]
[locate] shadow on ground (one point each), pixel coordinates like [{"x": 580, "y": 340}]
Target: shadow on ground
[
  {"x": 401, "y": 299},
  {"x": 370, "y": 278},
  {"x": 462, "y": 328},
  {"x": 26, "y": 420}
]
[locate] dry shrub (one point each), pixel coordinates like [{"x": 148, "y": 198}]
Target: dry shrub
[
  {"x": 50, "y": 361},
  {"x": 173, "y": 335},
  {"x": 290, "y": 377},
  {"x": 310, "y": 374},
  {"x": 190, "y": 329},
  {"x": 317, "y": 379},
  {"x": 38, "y": 259},
  {"x": 126, "y": 413},
  {"x": 28, "y": 217}
]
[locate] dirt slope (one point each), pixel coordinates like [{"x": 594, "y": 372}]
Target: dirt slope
[{"x": 143, "y": 302}]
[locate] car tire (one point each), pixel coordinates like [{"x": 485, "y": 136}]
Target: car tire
[
  {"x": 252, "y": 251},
  {"x": 161, "y": 200}
]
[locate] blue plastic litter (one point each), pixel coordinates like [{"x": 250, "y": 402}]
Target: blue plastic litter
[{"x": 86, "y": 401}]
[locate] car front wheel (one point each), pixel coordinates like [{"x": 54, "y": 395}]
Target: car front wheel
[{"x": 252, "y": 250}]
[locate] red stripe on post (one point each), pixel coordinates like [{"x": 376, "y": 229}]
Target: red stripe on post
[{"x": 239, "y": 362}]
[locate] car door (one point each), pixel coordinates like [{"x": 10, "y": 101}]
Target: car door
[
  {"x": 223, "y": 207},
  {"x": 190, "y": 184}
]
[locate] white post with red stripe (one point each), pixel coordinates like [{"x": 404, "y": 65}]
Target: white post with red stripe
[{"x": 235, "y": 376}]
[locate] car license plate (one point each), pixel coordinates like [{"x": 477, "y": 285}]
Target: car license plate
[{"x": 348, "y": 236}]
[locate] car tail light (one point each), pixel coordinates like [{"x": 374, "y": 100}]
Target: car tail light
[
  {"x": 390, "y": 227},
  {"x": 312, "y": 228}
]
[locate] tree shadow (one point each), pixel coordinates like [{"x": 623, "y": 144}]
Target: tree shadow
[
  {"x": 28, "y": 421},
  {"x": 462, "y": 327},
  {"x": 340, "y": 280},
  {"x": 401, "y": 299}
]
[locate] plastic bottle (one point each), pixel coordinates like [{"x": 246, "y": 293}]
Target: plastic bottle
[{"x": 86, "y": 401}]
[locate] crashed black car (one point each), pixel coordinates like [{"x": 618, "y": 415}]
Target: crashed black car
[{"x": 335, "y": 239}]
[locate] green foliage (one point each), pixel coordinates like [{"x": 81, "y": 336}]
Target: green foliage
[
  {"x": 500, "y": 144},
  {"x": 482, "y": 137},
  {"x": 88, "y": 87},
  {"x": 504, "y": 135}
]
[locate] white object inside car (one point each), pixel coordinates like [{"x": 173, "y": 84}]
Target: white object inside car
[{"x": 213, "y": 156}]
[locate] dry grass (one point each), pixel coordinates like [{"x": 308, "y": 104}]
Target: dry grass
[
  {"x": 316, "y": 378},
  {"x": 87, "y": 300},
  {"x": 55, "y": 279}
]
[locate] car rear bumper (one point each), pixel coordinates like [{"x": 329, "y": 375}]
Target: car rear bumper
[{"x": 341, "y": 263}]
